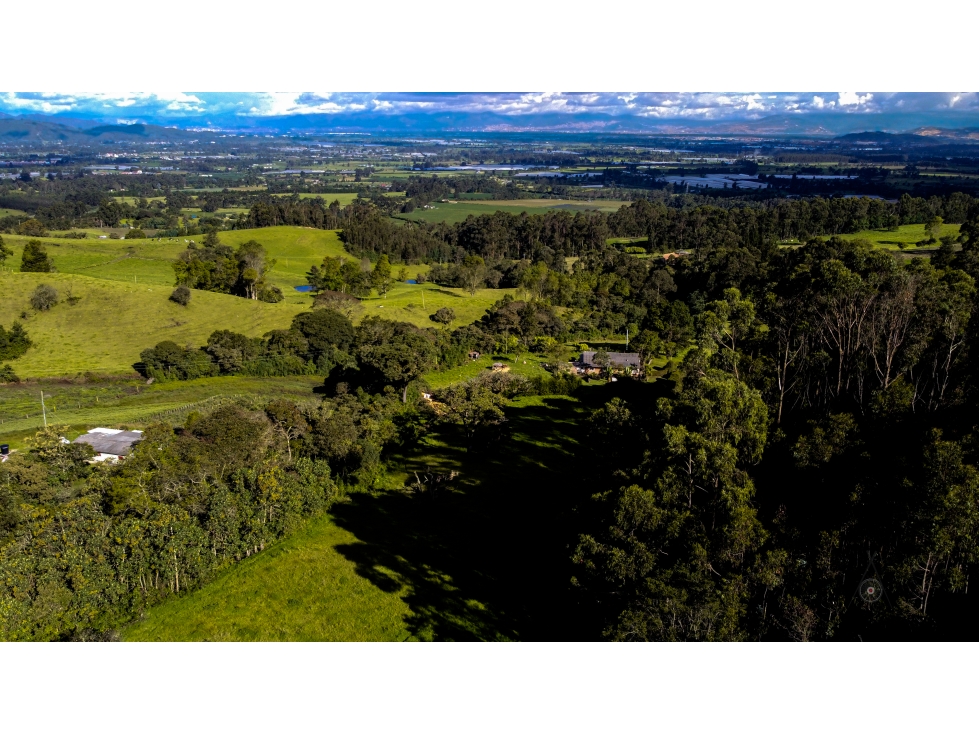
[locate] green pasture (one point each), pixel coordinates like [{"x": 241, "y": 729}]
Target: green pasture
[
  {"x": 344, "y": 198},
  {"x": 295, "y": 250},
  {"x": 907, "y": 234},
  {"x": 528, "y": 365},
  {"x": 148, "y": 261},
  {"x": 457, "y": 212},
  {"x": 113, "y": 321},
  {"x": 131, "y": 403},
  {"x": 12, "y": 213},
  {"x": 124, "y": 307},
  {"x": 415, "y": 303},
  {"x": 302, "y": 589}
]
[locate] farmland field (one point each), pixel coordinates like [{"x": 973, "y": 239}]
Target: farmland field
[
  {"x": 415, "y": 303},
  {"x": 295, "y": 250},
  {"x": 453, "y": 213},
  {"x": 114, "y": 321},
  {"x": 907, "y": 234},
  {"x": 302, "y": 589},
  {"x": 344, "y": 198},
  {"x": 124, "y": 306},
  {"x": 131, "y": 402}
]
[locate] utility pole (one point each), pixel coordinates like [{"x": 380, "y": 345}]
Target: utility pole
[{"x": 43, "y": 411}]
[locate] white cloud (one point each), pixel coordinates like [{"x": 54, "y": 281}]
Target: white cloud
[{"x": 848, "y": 99}]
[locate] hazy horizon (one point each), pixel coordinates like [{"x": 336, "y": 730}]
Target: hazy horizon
[{"x": 820, "y": 113}]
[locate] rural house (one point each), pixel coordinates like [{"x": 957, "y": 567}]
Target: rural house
[
  {"x": 110, "y": 444},
  {"x": 618, "y": 362}
]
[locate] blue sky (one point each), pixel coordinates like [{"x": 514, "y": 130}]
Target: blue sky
[{"x": 834, "y": 111}]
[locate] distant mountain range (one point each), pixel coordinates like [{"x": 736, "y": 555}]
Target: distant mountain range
[
  {"x": 886, "y": 127},
  {"x": 14, "y": 130}
]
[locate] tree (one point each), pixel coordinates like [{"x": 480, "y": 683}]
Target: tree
[
  {"x": 287, "y": 420},
  {"x": 602, "y": 360},
  {"x": 252, "y": 267},
  {"x": 13, "y": 343},
  {"x": 136, "y": 234},
  {"x": 443, "y": 316},
  {"x": 34, "y": 258},
  {"x": 676, "y": 561},
  {"x": 32, "y": 228},
  {"x": 327, "y": 331},
  {"x": 381, "y": 275},
  {"x": 648, "y": 345},
  {"x": 5, "y": 252},
  {"x": 723, "y": 327},
  {"x": 181, "y": 295},
  {"x": 108, "y": 213},
  {"x": 934, "y": 228},
  {"x": 471, "y": 405},
  {"x": 473, "y": 273},
  {"x": 43, "y": 297},
  {"x": 396, "y": 351}
]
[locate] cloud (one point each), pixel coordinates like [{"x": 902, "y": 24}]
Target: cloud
[
  {"x": 847, "y": 99},
  {"x": 522, "y": 108}
]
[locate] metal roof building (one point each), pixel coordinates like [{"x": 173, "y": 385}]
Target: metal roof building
[
  {"x": 110, "y": 443},
  {"x": 616, "y": 359}
]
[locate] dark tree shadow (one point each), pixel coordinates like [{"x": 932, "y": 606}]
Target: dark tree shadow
[{"x": 489, "y": 559}]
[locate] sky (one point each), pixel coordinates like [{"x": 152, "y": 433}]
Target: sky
[{"x": 831, "y": 112}]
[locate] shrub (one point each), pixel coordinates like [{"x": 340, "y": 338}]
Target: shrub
[
  {"x": 181, "y": 295},
  {"x": 13, "y": 343},
  {"x": 31, "y": 228},
  {"x": 43, "y": 297},
  {"x": 136, "y": 234},
  {"x": 35, "y": 258},
  {"x": 7, "y": 374},
  {"x": 336, "y": 301},
  {"x": 270, "y": 294},
  {"x": 73, "y": 235},
  {"x": 443, "y": 316}
]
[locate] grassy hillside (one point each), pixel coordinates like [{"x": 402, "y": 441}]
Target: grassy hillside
[
  {"x": 124, "y": 308},
  {"x": 295, "y": 250},
  {"x": 302, "y": 589},
  {"x": 114, "y": 321},
  {"x": 415, "y": 303}
]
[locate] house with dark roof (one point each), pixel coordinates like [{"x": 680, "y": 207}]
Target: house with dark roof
[
  {"x": 618, "y": 362},
  {"x": 110, "y": 444}
]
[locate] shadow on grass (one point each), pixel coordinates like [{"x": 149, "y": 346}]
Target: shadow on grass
[
  {"x": 442, "y": 291},
  {"x": 485, "y": 560},
  {"x": 490, "y": 558}
]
